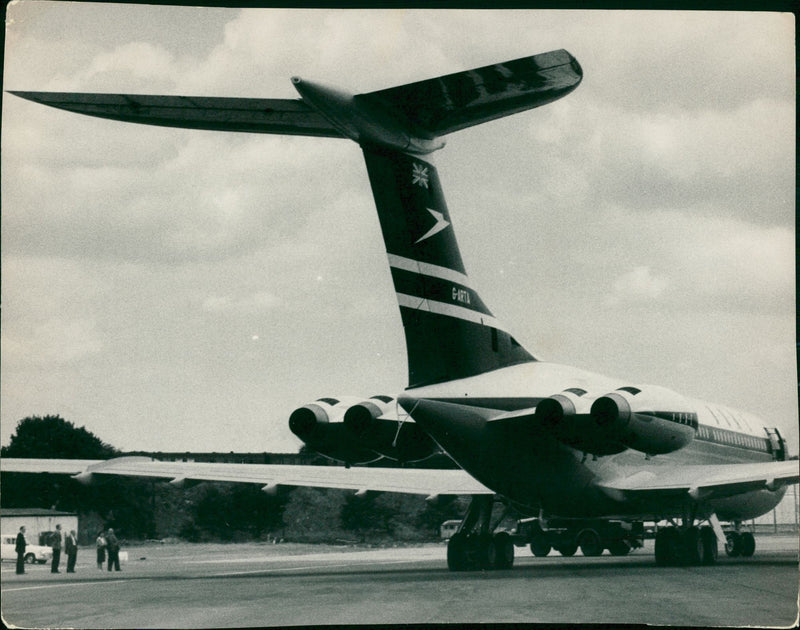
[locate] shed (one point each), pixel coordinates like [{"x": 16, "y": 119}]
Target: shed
[{"x": 38, "y": 522}]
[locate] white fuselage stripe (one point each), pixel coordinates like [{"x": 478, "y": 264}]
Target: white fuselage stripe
[
  {"x": 440, "y": 308},
  {"x": 427, "y": 269}
]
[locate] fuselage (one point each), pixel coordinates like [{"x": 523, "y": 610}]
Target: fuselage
[{"x": 532, "y": 467}]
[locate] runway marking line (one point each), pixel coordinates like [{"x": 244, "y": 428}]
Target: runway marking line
[
  {"x": 306, "y": 568},
  {"x": 32, "y": 588}
]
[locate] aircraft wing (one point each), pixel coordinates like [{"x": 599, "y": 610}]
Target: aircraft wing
[
  {"x": 403, "y": 480},
  {"x": 255, "y": 115},
  {"x": 704, "y": 482}
]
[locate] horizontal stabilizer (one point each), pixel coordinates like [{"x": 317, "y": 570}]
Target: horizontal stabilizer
[
  {"x": 254, "y": 115},
  {"x": 409, "y": 117},
  {"x": 455, "y": 101}
]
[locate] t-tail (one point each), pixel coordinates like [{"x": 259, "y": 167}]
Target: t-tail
[{"x": 450, "y": 333}]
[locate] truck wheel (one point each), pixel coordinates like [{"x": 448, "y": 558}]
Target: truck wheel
[
  {"x": 540, "y": 547},
  {"x": 619, "y": 547},
  {"x": 590, "y": 543}
]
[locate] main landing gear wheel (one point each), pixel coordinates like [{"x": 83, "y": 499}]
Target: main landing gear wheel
[
  {"x": 709, "y": 541},
  {"x": 457, "y": 552},
  {"x": 748, "y": 543},
  {"x": 481, "y": 551},
  {"x": 740, "y": 544},
  {"x": 503, "y": 551},
  {"x": 667, "y": 546},
  {"x": 693, "y": 546},
  {"x": 733, "y": 544}
]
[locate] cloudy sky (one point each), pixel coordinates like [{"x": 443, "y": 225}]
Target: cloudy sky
[{"x": 186, "y": 290}]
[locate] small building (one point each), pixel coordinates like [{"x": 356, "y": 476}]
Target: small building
[{"x": 38, "y": 523}]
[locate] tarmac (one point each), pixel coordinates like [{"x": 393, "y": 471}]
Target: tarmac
[{"x": 259, "y": 584}]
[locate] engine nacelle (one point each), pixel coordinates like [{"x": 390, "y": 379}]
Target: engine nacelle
[
  {"x": 566, "y": 416},
  {"x": 650, "y": 419},
  {"x": 319, "y": 425},
  {"x": 405, "y": 442}
]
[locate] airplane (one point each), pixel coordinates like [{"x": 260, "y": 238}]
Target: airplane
[{"x": 585, "y": 458}]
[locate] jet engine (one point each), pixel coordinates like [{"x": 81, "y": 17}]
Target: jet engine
[
  {"x": 319, "y": 425},
  {"x": 566, "y": 416},
  {"x": 401, "y": 441},
  {"x": 650, "y": 419}
]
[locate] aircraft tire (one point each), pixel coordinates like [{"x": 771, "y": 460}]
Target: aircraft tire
[
  {"x": 692, "y": 546},
  {"x": 710, "y": 548},
  {"x": 747, "y": 544},
  {"x": 667, "y": 546},
  {"x": 733, "y": 544},
  {"x": 485, "y": 552},
  {"x": 590, "y": 543},
  {"x": 457, "y": 553},
  {"x": 503, "y": 551}
]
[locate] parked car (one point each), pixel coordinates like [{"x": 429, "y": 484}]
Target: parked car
[{"x": 33, "y": 553}]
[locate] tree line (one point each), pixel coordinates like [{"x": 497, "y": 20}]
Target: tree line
[{"x": 206, "y": 511}]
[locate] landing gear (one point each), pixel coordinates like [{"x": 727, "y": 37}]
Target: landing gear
[
  {"x": 740, "y": 544},
  {"x": 682, "y": 546},
  {"x": 474, "y": 547}
]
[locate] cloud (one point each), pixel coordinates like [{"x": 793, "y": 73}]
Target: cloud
[
  {"x": 657, "y": 198},
  {"x": 247, "y": 304},
  {"x": 637, "y": 285},
  {"x": 51, "y": 342}
]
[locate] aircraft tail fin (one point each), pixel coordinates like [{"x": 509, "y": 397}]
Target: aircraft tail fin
[{"x": 449, "y": 331}]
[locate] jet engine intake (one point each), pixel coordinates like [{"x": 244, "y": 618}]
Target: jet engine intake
[{"x": 654, "y": 420}]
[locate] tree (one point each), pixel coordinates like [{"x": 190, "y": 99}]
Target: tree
[
  {"x": 124, "y": 504},
  {"x": 53, "y": 437},
  {"x": 314, "y": 515}
]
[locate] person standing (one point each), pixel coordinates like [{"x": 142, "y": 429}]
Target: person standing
[
  {"x": 55, "y": 545},
  {"x": 20, "y": 549},
  {"x": 71, "y": 548},
  {"x": 101, "y": 550},
  {"x": 113, "y": 550}
]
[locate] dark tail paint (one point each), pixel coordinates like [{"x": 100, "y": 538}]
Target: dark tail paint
[{"x": 450, "y": 333}]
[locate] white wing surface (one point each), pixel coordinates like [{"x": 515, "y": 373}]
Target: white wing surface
[
  {"x": 403, "y": 480},
  {"x": 704, "y": 482}
]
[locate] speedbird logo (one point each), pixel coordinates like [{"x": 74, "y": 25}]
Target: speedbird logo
[{"x": 441, "y": 223}]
